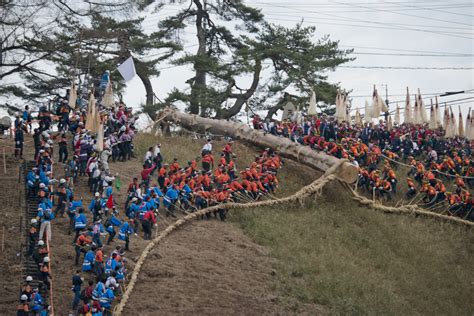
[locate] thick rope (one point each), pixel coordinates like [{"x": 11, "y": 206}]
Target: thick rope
[
  {"x": 315, "y": 188},
  {"x": 437, "y": 171},
  {"x": 407, "y": 209}
]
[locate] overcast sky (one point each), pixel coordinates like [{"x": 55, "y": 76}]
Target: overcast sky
[{"x": 398, "y": 33}]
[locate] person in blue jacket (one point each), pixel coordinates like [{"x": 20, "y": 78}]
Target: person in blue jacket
[
  {"x": 132, "y": 209},
  {"x": 108, "y": 191},
  {"x": 185, "y": 195},
  {"x": 96, "y": 206},
  {"x": 32, "y": 180},
  {"x": 111, "y": 223},
  {"x": 80, "y": 221},
  {"x": 125, "y": 231},
  {"x": 104, "y": 80},
  {"x": 106, "y": 301},
  {"x": 38, "y": 302},
  {"x": 111, "y": 264},
  {"x": 89, "y": 259},
  {"x": 99, "y": 289},
  {"x": 170, "y": 199}
]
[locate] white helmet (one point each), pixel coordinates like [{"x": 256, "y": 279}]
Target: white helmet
[
  {"x": 33, "y": 221},
  {"x": 62, "y": 181},
  {"x": 42, "y": 185},
  {"x": 40, "y": 243},
  {"x": 97, "y": 194},
  {"x": 29, "y": 278},
  {"x": 24, "y": 297},
  {"x": 46, "y": 259}
]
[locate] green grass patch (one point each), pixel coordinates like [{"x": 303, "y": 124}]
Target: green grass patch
[{"x": 358, "y": 261}]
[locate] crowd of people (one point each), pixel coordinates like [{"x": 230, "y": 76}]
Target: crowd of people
[
  {"x": 439, "y": 173},
  {"x": 81, "y": 153},
  {"x": 161, "y": 190}
]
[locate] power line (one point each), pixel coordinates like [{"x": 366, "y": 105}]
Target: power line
[
  {"x": 285, "y": 14},
  {"x": 407, "y": 67},
  {"x": 436, "y": 10},
  {"x": 425, "y": 94},
  {"x": 384, "y": 25},
  {"x": 404, "y": 14},
  {"x": 314, "y": 22},
  {"x": 400, "y": 50},
  {"x": 413, "y": 55},
  {"x": 337, "y": 9}
]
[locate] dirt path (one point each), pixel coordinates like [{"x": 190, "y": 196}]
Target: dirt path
[{"x": 206, "y": 268}]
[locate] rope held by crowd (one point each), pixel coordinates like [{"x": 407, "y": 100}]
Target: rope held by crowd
[
  {"x": 315, "y": 188},
  {"x": 407, "y": 209},
  {"x": 437, "y": 171}
]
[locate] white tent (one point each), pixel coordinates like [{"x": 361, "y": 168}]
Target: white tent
[
  {"x": 312, "y": 104},
  {"x": 408, "y": 115}
]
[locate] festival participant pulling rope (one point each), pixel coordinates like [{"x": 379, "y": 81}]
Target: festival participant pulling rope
[{"x": 314, "y": 188}]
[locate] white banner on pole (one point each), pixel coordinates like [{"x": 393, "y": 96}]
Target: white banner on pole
[{"x": 127, "y": 69}]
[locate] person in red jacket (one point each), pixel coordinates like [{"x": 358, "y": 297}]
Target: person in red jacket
[{"x": 148, "y": 221}]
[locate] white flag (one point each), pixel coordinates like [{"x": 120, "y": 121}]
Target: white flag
[{"x": 127, "y": 69}]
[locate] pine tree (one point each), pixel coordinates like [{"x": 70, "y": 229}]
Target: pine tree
[{"x": 225, "y": 55}]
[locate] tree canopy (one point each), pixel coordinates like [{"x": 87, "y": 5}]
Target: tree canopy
[{"x": 240, "y": 62}]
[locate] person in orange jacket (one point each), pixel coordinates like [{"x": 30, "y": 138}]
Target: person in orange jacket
[{"x": 411, "y": 192}]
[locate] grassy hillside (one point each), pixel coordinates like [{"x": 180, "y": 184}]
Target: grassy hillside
[{"x": 350, "y": 259}]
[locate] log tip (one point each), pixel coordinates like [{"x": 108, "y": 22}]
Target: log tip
[{"x": 347, "y": 173}]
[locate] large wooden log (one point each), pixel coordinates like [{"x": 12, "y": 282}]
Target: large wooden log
[{"x": 286, "y": 148}]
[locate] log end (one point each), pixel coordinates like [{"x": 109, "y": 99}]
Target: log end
[{"x": 347, "y": 173}]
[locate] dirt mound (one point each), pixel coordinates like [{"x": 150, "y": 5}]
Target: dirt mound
[{"x": 210, "y": 268}]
